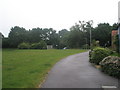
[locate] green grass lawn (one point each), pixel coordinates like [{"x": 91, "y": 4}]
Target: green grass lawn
[{"x": 28, "y": 68}]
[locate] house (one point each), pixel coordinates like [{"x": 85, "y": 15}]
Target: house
[{"x": 113, "y": 35}]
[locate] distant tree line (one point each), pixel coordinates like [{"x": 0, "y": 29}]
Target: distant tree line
[{"x": 77, "y": 37}]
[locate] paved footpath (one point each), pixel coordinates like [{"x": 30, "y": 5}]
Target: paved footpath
[{"x": 75, "y": 71}]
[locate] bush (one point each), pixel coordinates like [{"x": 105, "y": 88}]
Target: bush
[
  {"x": 40, "y": 45},
  {"x": 34, "y": 46},
  {"x": 43, "y": 45},
  {"x": 24, "y": 46},
  {"x": 111, "y": 66},
  {"x": 98, "y": 54}
]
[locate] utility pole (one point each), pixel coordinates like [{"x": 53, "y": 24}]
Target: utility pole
[
  {"x": 91, "y": 23},
  {"x": 90, "y": 39}
]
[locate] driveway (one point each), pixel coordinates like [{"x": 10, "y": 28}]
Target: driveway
[{"x": 75, "y": 71}]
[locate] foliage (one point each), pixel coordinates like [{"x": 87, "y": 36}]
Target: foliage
[
  {"x": 115, "y": 26},
  {"x": 78, "y": 35},
  {"x": 75, "y": 39},
  {"x": 98, "y": 54},
  {"x": 102, "y": 33},
  {"x": 40, "y": 45},
  {"x": 1, "y": 36},
  {"x": 16, "y": 36},
  {"x": 111, "y": 66},
  {"x": 5, "y": 43},
  {"x": 34, "y": 46},
  {"x": 28, "y": 68},
  {"x": 63, "y": 38},
  {"x": 95, "y": 44},
  {"x": 115, "y": 54},
  {"x": 117, "y": 43},
  {"x": 86, "y": 46},
  {"x": 24, "y": 45}
]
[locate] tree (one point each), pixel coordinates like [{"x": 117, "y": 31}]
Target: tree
[
  {"x": 102, "y": 33},
  {"x": 80, "y": 34},
  {"x": 1, "y": 37},
  {"x": 5, "y": 43},
  {"x": 63, "y": 38},
  {"x": 16, "y": 36},
  {"x": 75, "y": 39},
  {"x": 115, "y": 26},
  {"x": 34, "y": 35}
]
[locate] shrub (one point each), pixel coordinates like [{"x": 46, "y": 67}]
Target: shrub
[
  {"x": 43, "y": 45},
  {"x": 98, "y": 54},
  {"x": 111, "y": 66},
  {"x": 40, "y": 45},
  {"x": 95, "y": 43},
  {"x": 34, "y": 46},
  {"x": 24, "y": 46}
]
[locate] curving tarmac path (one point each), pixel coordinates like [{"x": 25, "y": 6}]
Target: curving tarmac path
[{"x": 75, "y": 71}]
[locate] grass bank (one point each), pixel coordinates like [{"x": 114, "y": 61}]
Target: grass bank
[{"x": 27, "y": 68}]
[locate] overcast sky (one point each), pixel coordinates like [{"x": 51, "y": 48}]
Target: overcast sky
[{"x": 56, "y": 14}]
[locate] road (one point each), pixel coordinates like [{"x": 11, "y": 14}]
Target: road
[{"x": 75, "y": 71}]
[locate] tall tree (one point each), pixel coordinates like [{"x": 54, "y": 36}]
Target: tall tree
[
  {"x": 79, "y": 34},
  {"x": 63, "y": 38},
  {"x": 102, "y": 33},
  {"x": 115, "y": 26},
  {"x": 16, "y": 36},
  {"x": 34, "y": 35}
]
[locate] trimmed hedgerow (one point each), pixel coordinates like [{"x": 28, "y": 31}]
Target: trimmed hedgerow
[{"x": 111, "y": 66}]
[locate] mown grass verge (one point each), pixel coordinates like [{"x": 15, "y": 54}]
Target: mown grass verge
[{"x": 28, "y": 68}]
